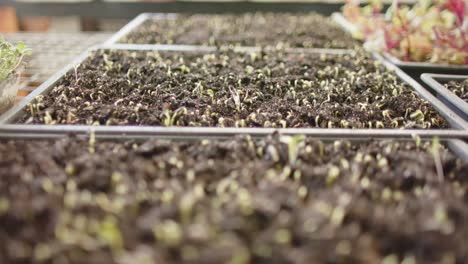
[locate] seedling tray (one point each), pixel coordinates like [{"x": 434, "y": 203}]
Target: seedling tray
[
  {"x": 17, "y": 112},
  {"x": 46, "y": 131},
  {"x": 414, "y": 69},
  {"x": 436, "y": 81},
  {"x": 142, "y": 18}
]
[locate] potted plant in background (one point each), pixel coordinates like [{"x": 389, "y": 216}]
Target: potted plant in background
[
  {"x": 11, "y": 57},
  {"x": 430, "y": 36}
]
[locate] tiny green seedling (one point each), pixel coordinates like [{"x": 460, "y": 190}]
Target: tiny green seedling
[
  {"x": 75, "y": 68},
  {"x": 294, "y": 144},
  {"x": 437, "y": 160},
  {"x": 170, "y": 119}
]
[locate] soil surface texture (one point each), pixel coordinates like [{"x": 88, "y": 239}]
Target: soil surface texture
[
  {"x": 277, "y": 200},
  {"x": 251, "y": 29},
  {"x": 459, "y": 88},
  {"x": 233, "y": 89}
]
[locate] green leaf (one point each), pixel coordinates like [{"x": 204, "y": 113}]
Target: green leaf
[
  {"x": 11, "y": 57},
  {"x": 20, "y": 46}
]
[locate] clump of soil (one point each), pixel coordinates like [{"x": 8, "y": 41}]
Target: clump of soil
[
  {"x": 459, "y": 88},
  {"x": 277, "y": 200},
  {"x": 251, "y": 29},
  {"x": 233, "y": 89}
]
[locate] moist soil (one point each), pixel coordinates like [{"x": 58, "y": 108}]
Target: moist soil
[
  {"x": 277, "y": 200},
  {"x": 232, "y": 89},
  {"x": 459, "y": 88},
  {"x": 251, "y": 29}
]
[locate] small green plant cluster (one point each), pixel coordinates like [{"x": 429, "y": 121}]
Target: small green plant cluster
[{"x": 11, "y": 57}]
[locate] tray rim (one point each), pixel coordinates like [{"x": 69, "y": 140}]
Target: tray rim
[
  {"x": 231, "y": 131},
  {"x": 44, "y": 132},
  {"x": 424, "y": 65},
  {"x": 199, "y": 48}
]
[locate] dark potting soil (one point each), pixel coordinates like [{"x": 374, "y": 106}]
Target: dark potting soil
[
  {"x": 459, "y": 88},
  {"x": 233, "y": 89},
  {"x": 251, "y": 29},
  {"x": 278, "y": 200}
]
